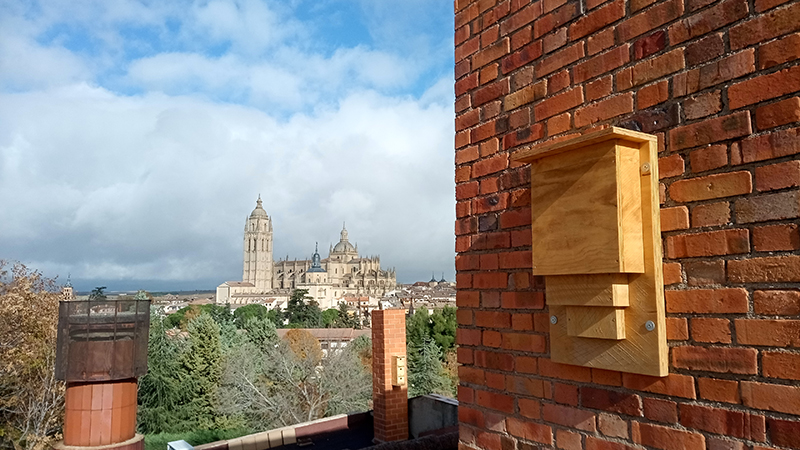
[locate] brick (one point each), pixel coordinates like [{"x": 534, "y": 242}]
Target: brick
[
  {"x": 611, "y": 401},
  {"x": 569, "y": 417},
  {"x": 555, "y": 40},
  {"x": 649, "y": 45},
  {"x": 711, "y": 214},
  {"x": 490, "y": 92},
  {"x": 612, "y": 425},
  {"x": 533, "y": 343},
  {"x": 601, "y": 64},
  {"x": 559, "y": 59},
  {"x": 490, "y": 165},
  {"x": 781, "y": 365},
  {"x": 519, "y": 58},
  {"x": 548, "y": 368},
  {"x": 772, "y": 269},
  {"x": 494, "y": 360},
  {"x": 671, "y": 166},
  {"x": 522, "y": 17},
  {"x": 558, "y": 103},
  {"x": 597, "y": 19},
  {"x": 709, "y": 131},
  {"x": 661, "y": 410},
  {"x": 716, "y": 420},
  {"x": 623, "y": 79},
  {"x": 712, "y": 330},
  {"x": 647, "y": 20},
  {"x": 704, "y": 273},
  {"x": 728, "y": 68},
  {"x": 774, "y": 145},
  {"x": 529, "y": 408},
  {"x": 765, "y": 26},
  {"x": 499, "y": 402},
  {"x": 764, "y": 87},
  {"x": 710, "y": 243},
  {"x": 704, "y": 49},
  {"x": 674, "y": 384},
  {"x": 600, "y": 41},
  {"x": 779, "y": 206},
  {"x": 719, "y": 15},
  {"x": 702, "y": 105},
  {"x": 777, "y": 302},
  {"x": 529, "y": 430},
  {"x": 559, "y": 124},
  {"x": 469, "y": 47},
  {"x": 711, "y": 186},
  {"x": 785, "y": 433},
  {"x": 652, "y": 95},
  {"x": 526, "y": 386},
  {"x": 491, "y": 53},
  {"x": 593, "y": 443},
  {"x": 716, "y": 359},
  {"x": 778, "y": 52},
  {"x": 555, "y": 19},
  {"x": 708, "y": 158},
  {"x": 604, "y": 109},
  {"x": 771, "y": 397},
  {"x": 708, "y": 301},
  {"x": 672, "y": 273},
  {"x": 558, "y": 82},
  {"x": 773, "y": 333},
  {"x": 524, "y": 96},
  {"x": 665, "y": 438},
  {"x": 657, "y": 67},
  {"x": 677, "y": 329},
  {"x": 676, "y": 218},
  {"x": 719, "y": 390},
  {"x": 776, "y": 238},
  {"x": 566, "y": 394},
  {"x": 778, "y": 176},
  {"x": 779, "y": 113},
  {"x": 568, "y": 440},
  {"x": 470, "y": 416}
]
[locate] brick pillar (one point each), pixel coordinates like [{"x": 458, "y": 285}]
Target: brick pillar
[{"x": 390, "y": 403}]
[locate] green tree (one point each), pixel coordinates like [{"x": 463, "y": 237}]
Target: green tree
[
  {"x": 163, "y": 390},
  {"x": 443, "y": 328},
  {"x": 97, "y": 294},
  {"x": 261, "y": 332},
  {"x": 276, "y": 315},
  {"x": 302, "y": 311},
  {"x": 426, "y": 374},
  {"x": 246, "y": 312},
  {"x": 345, "y": 319},
  {"x": 330, "y": 318},
  {"x": 202, "y": 364}
]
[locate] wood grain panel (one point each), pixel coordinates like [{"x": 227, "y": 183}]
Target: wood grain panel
[{"x": 607, "y": 289}]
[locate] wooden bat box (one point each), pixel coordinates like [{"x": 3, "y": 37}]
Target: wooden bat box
[{"x": 596, "y": 238}]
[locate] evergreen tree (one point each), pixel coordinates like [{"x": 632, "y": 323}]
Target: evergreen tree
[
  {"x": 246, "y": 312},
  {"x": 163, "y": 390},
  {"x": 330, "y": 318},
  {"x": 261, "y": 332},
  {"x": 202, "y": 364},
  {"x": 302, "y": 311},
  {"x": 426, "y": 374}
]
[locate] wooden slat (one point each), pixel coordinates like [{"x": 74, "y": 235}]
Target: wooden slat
[
  {"x": 596, "y": 322},
  {"x": 531, "y": 153},
  {"x": 606, "y": 289}
]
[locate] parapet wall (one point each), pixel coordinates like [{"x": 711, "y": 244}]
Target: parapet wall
[{"x": 717, "y": 82}]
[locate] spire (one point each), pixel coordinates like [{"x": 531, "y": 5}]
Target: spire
[
  {"x": 258, "y": 202},
  {"x": 69, "y": 282}
]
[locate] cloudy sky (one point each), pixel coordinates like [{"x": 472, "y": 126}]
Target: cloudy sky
[{"x": 135, "y": 135}]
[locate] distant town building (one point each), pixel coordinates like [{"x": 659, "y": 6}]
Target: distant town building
[
  {"x": 67, "y": 292},
  {"x": 331, "y": 340},
  {"x": 328, "y": 281}
]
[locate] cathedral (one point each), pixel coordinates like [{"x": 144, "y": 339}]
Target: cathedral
[{"x": 342, "y": 273}]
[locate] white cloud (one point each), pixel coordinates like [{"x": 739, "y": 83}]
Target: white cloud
[{"x": 234, "y": 98}]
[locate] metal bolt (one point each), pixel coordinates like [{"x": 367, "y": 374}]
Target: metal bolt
[
  {"x": 553, "y": 320},
  {"x": 650, "y": 325},
  {"x": 646, "y": 169}
]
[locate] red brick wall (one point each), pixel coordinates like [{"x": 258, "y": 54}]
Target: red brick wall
[
  {"x": 390, "y": 403},
  {"x": 717, "y": 82}
]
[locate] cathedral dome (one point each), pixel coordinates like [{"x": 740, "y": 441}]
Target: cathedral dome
[
  {"x": 344, "y": 246},
  {"x": 259, "y": 211}
]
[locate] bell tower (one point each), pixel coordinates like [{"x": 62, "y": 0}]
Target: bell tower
[{"x": 258, "y": 249}]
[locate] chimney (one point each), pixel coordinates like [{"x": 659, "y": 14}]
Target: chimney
[
  {"x": 389, "y": 384},
  {"x": 101, "y": 351}
]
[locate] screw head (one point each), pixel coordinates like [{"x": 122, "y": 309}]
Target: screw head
[
  {"x": 553, "y": 320},
  {"x": 650, "y": 325},
  {"x": 646, "y": 169}
]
